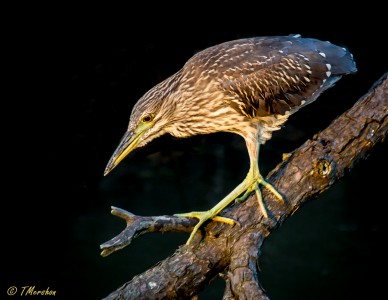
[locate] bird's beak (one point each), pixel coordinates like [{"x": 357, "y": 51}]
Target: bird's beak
[{"x": 128, "y": 143}]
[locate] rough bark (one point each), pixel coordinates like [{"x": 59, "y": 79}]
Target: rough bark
[{"x": 233, "y": 251}]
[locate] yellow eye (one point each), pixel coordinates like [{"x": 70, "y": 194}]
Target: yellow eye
[{"x": 147, "y": 118}]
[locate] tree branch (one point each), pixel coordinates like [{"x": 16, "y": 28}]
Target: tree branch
[
  {"x": 233, "y": 251},
  {"x": 139, "y": 225}
]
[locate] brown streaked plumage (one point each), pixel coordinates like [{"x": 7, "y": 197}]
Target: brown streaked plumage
[{"x": 248, "y": 87}]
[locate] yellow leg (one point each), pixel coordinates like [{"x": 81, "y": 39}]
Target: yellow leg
[
  {"x": 203, "y": 216},
  {"x": 251, "y": 183}
]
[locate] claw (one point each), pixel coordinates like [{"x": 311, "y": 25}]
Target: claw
[
  {"x": 269, "y": 187},
  {"x": 202, "y": 217},
  {"x": 251, "y": 183}
]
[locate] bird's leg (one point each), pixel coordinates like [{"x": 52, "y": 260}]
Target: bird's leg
[
  {"x": 212, "y": 213},
  {"x": 251, "y": 183},
  {"x": 255, "y": 176}
]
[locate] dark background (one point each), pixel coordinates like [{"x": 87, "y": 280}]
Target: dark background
[{"x": 74, "y": 75}]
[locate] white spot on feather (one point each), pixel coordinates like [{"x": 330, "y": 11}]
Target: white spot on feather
[{"x": 152, "y": 285}]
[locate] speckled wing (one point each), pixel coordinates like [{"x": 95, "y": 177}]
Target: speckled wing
[{"x": 275, "y": 75}]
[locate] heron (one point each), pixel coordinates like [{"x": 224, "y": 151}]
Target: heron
[{"x": 248, "y": 86}]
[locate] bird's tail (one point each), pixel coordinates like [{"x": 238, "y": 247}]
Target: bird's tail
[{"x": 340, "y": 58}]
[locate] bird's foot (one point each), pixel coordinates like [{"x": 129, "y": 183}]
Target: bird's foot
[
  {"x": 250, "y": 184},
  {"x": 202, "y": 217},
  {"x": 270, "y": 187},
  {"x": 255, "y": 187}
]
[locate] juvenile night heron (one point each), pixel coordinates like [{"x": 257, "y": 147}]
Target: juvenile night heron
[{"x": 249, "y": 87}]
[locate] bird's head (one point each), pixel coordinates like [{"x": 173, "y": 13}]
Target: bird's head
[{"x": 149, "y": 118}]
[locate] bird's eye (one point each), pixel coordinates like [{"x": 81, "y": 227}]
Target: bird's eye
[{"x": 147, "y": 118}]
